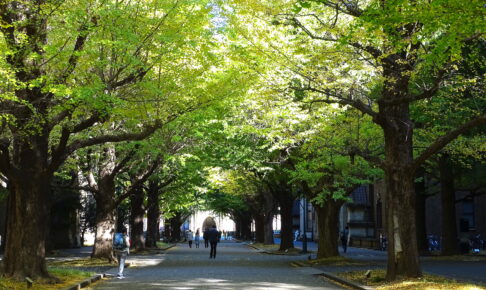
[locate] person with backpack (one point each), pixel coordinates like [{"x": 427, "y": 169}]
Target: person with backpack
[{"x": 121, "y": 245}]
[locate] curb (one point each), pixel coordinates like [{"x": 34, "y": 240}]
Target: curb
[
  {"x": 86, "y": 282},
  {"x": 169, "y": 247},
  {"x": 339, "y": 280}
]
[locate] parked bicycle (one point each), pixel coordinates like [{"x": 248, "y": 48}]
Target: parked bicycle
[
  {"x": 433, "y": 243},
  {"x": 476, "y": 243}
]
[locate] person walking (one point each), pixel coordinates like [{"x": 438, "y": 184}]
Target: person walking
[
  {"x": 205, "y": 237},
  {"x": 214, "y": 237},
  {"x": 121, "y": 245},
  {"x": 344, "y": 238},
  {"x": 197, "y": 238},
  {"x": 189, "y": 238}
]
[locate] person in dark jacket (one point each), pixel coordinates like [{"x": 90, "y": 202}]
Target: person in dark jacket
[
  {"x": 345, "y": 238},
  {"x": 205, "y": 237},
  {"x": 213, "y": 236}
]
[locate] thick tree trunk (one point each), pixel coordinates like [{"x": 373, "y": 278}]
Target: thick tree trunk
[
  {"x": 286, "y": 235},
  {"x": 153, "y": 216},
  {"x": 175, "y": 225},
  {"x": 269, "y": 206},
  {"x": 421, "y": 220},
  {"x": 327, "y": 226},
  {"x": 105, "y": 219},
  {"x": 403, "y": 258},
  {"x": 137, "y": 214},
  {"x": 237, "y": 221},
  {"x": 27, "y": 225},
  {"x": 245, "y": 227},
  {"x": 259, "y": 228},
  {"x": 420, "y": 213},
  {"x": 450, "y": 245},
  {"x": 268, "y": 230}
]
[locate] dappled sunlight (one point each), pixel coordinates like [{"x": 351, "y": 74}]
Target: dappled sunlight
[
  {"x": 145, "y": 262},
  {"x": 202, "y": 283}
]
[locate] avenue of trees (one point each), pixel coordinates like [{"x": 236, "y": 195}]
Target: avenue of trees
[{"x": 157, "y": 108}]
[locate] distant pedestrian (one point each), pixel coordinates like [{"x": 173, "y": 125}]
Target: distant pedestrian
[
  {"x": 205, "y": 237},
  {"x": 197, "y": 238},
  {"x": 382, "y": 242},
  {"x": 296, "y": 235},
  {"x": 121, "y": 245},
  {"x": 214, "y": 237},
  {"x": 189, "y": 238},
  {"x": 344, "y": 238}
]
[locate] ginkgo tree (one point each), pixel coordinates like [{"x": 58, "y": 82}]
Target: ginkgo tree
[
  {"x": 378, "y": 57},
  {"x": 69, "y": 69}
]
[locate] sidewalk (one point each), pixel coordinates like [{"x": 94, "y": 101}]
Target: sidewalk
[{"x": 472, "y": 269}]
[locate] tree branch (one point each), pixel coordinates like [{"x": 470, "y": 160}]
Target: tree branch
[
  {"x": 426, "y": 94},
  {"x": 357, "y": 104},
  {"x": 59, "y": 153},
  {"x": 442, "y": 141},
  {"x": 377, "y": 161},
  {"x": 138, "y": 75},
  {"x": 140, "y": 180},
  {"x": 122, "y": 163},
  {"x": 78, "y": 46},
  {"x": 149, "y": 130},
  {"x": 375, "y": 52}
]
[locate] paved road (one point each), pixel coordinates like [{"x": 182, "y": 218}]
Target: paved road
[{"x": 235, "y": 267}]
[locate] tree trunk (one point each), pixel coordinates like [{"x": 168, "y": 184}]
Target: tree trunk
[
  {"x": 421, "y": 220},
  {"x": 268, "y": 229},
  {"x": 327, "y": 227},
  {"x": 448, "y": 199},
  {"x": 237, "y": 221},
  {"x": 175, "y": 225},
  {"x": 153, "y": 216},
  {"x": 269, "y": 206},
  {"x": 27, "y": 225},
  {"x": 403, "y": 258},
  {"x": 259, "y": 228},
  {"x": 137, "y": 214},
  {"x": 105, "y": 219},
  {"x": 286, "y": 235},
  {"x": 421, "y": 212},
  {"x": 245, "y": 227}
]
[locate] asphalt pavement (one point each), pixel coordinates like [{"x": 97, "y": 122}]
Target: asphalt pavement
[{"x": 236, "y": 266}]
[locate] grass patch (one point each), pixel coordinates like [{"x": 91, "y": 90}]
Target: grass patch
[
  {"x": 273, "y": 247},
  {"x": 291, "y": 251},
  {"x": 377, "y": 280},
  {"x": 163, "y": 245},
  {"x": 83, "y": 262},
  {"x": 67, "y": 277},
  {"x": 336, "y": 261}
]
